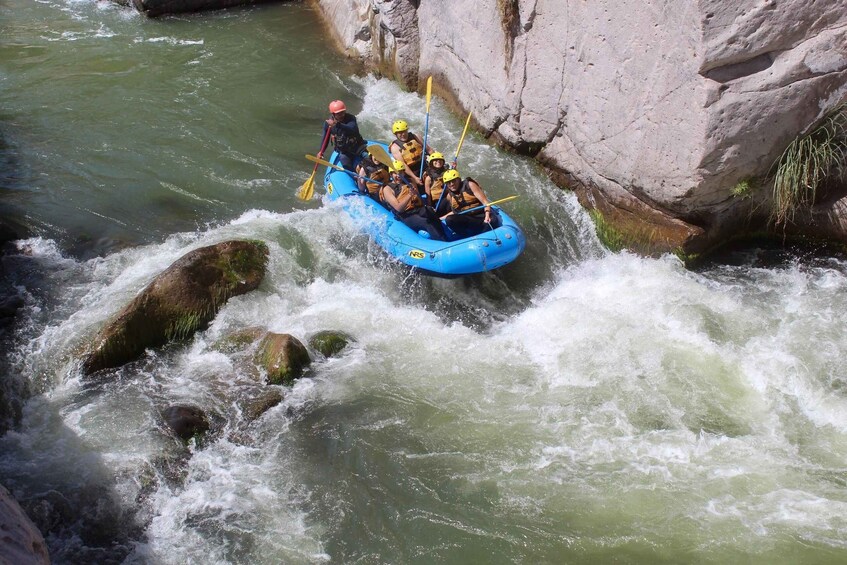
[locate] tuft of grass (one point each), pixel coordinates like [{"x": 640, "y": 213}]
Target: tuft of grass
[
  {"x": 806, "y": 163},
  {"x": 185, "y": 325},
  {"x": 606, "y": 233},
  {"x": 743, "y": 189}
]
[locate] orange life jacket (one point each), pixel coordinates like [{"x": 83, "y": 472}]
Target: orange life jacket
[
  {"x": 411, "y": 151},
  {"x": 401, "y": 190},
  {"x": 377, "y": 172},
  {"x": 464, "y": 199},
  {"x": 436, "y": 186}
]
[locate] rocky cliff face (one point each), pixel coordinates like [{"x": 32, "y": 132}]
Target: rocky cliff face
[{"x": 656, "y": 108}]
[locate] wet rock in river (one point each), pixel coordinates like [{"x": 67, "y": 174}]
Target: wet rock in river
[
  {"x": 186, "y": 421},
  {"x": 254, "y": 407},
  {"x": 21, "y": 542},
  {"x": 283, "y": 357},
  {"x": 330, "y": 342},
  {"x": 154, "y": 8},
  {"x": 181, "y": 300}
]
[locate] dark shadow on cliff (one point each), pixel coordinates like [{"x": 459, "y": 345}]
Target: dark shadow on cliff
[{"x": 773, "y": 253}]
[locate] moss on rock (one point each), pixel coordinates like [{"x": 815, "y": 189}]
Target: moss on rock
[{"x": 329, "y": 342}]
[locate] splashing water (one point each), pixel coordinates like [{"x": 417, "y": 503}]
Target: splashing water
[{"x": 575, "y": 406}]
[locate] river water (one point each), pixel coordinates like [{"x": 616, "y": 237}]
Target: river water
[{"x": 576, "y": 406}]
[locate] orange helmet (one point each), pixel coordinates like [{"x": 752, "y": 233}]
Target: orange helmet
[{"x": 337, "y": 106}]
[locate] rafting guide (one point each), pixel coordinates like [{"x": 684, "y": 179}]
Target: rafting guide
[{"x": 344, "y": 132}]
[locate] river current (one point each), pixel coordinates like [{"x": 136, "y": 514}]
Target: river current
[{"x": 576, "y": 406}]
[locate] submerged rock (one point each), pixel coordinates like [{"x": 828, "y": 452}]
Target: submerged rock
[
  {"x": 181, "y": 300},
  {"x": 20, "y": 541},
  {"x": 329, "y": 342},
  {"x": 283, "y": 357},
  {"x": 253, "y": 408},
  {"x": 238, "y": 340},
  {"x": 186, "y": 421}
]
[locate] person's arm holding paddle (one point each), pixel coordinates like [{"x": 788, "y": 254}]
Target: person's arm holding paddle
[{"x": 480, "y": 195}]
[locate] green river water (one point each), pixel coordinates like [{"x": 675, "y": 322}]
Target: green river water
[{"x": 576, "y": 406}]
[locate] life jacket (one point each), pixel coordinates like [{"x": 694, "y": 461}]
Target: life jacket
[
  {"x": 377, "y": 172},
  {"x": 347, "y": 140},
  {"x": 437, "y": 184},
  {"x": 464, "y": 199},
  {"x": 401, "y": 190},
  {"x": 411, "y": 151}
]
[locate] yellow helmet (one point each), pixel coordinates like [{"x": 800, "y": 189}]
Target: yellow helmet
[
  {"x": 399, "y": 125},
  {"x": 452, "y": 174},
  {"x": 434, "y": 156},
  {"x": 398, "y": 166}
]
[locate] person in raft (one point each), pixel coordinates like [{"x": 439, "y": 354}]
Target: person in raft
[
  {"x": 464, "y": 195},
  {"x": 400, "y": 196},
  {"x": 344, "y": 131},
  {"x": 375, "y": 171},
  {"x": 433, "y": 185},
  {"x": 409, "y": 148}
]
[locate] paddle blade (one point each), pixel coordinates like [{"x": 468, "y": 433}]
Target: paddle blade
[
  {"x": 308, "y": 189},
  {"x": 381, "y": 155},
  {"x": 428, "y": 92}
]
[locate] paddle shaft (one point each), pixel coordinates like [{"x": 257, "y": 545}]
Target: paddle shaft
[
  {"x": 426, "y": 126},
  {"x": 456, "y": 156},
  {"x": 461, "y": 140},
  {"x": 324, "y": 143},
  {"x": 512, "y": 197},
  {"x": 319, "y": 161}
]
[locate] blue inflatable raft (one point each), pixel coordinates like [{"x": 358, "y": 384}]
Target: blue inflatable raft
[{"x": 485, "y": 252}]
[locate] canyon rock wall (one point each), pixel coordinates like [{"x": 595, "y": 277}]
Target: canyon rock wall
[{"x": 656, "y": 108}]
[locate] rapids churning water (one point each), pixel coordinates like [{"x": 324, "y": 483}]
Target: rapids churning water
[{"x": 574, "y": 407}]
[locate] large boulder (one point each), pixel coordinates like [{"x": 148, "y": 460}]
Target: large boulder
[
  {"x": 20, "y": 541},
  {"x": 181, "y": 300},
  {"x": 654, "y": 110}
]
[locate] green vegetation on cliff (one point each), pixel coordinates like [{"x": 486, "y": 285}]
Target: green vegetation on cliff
[{"x": 807, "y": 163}]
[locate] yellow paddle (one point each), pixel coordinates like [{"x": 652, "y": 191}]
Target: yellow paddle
[
  {"x": 381, "y": 155},
  {"x": 319, "y": 161},
  {"x": 308, "y": 188},
  {"x": 426, "y": 127},
  {"x": 461, "y": 140},
  {"x": 512, "y": 197}
]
